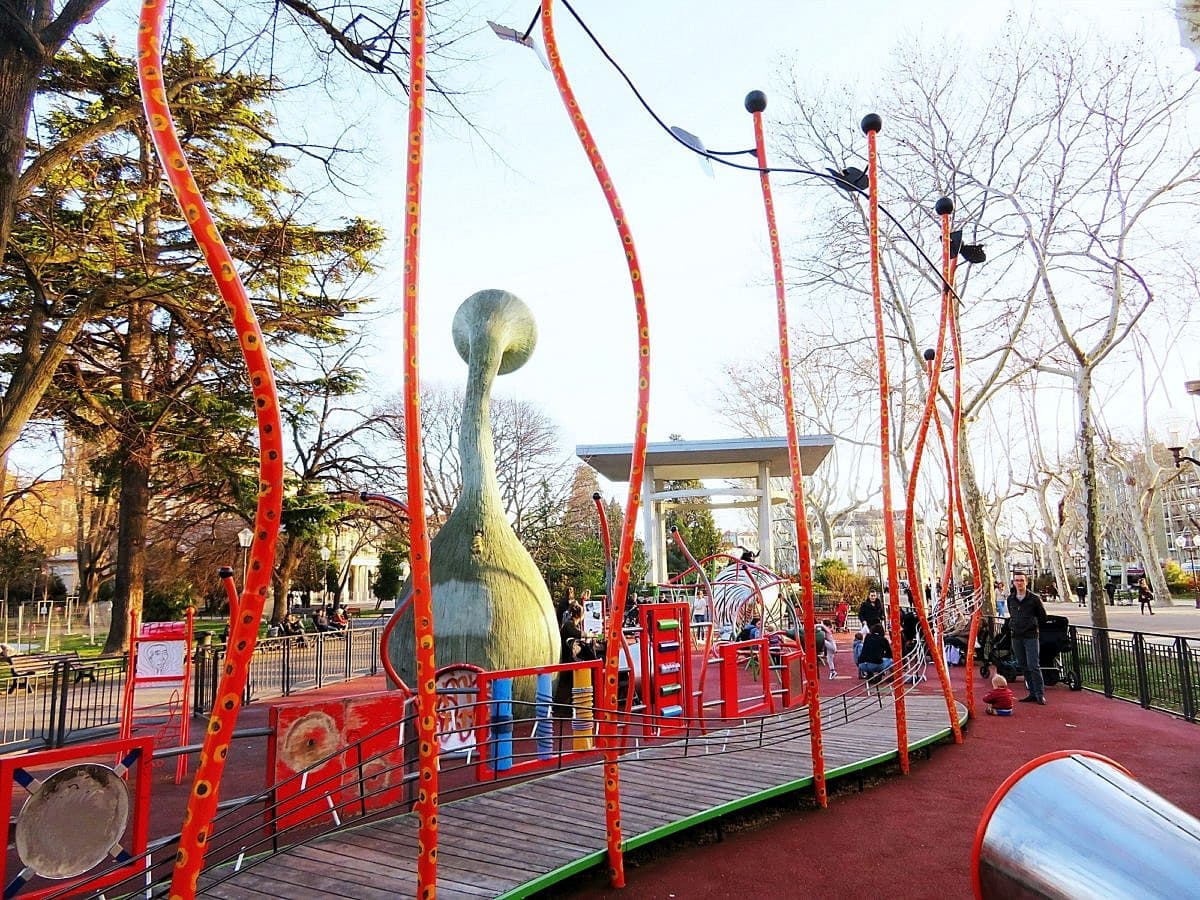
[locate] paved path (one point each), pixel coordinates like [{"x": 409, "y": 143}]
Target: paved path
[{"x": 1182, "y": 618}]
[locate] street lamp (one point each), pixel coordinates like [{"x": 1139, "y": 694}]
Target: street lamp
[
  {"x": 878, "y": 570},
  {"x": 1184, "y": 542},
  {"x": 325, "y": 554},
  {"x": 245, "y": 539}
]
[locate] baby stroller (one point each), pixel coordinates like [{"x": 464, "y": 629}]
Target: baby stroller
[
  {"x": 995, "y": 649},
  {"x": 1055, "y": 652},
  {"x": 1054, "y": 641}
]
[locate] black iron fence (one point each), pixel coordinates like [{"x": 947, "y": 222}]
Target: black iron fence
[
  {"x": 1158, "y": 671},
  {"x": 81, "y": 700},
  {"x": 67, "y": 702},
  {"x": 285, "y": 665}
]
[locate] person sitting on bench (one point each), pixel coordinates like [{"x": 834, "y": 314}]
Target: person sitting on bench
[
  {"x": 291, "y": 627},
  {"x": 876, "y": 655}
]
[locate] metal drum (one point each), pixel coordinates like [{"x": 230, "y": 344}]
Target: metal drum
[
  {"x": 73, "y": 820},
  {"x": 1075, "y": 825}
]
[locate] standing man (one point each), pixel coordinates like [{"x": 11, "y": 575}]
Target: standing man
[
  {"x": 1026, "y": 616},
  {"x": 871, "y": 611}
]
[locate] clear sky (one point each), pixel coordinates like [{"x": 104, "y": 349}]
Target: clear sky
[
  {"x": 515, "y": 205},
  {"x": 527, "y": 215}
]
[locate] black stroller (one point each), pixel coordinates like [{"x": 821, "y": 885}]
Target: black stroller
[{"x": 1054, "y": 653}]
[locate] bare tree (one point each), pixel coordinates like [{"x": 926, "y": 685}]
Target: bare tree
[
  {"x": 534, "y": 473},
  {"x": 1060, "y": 159}
]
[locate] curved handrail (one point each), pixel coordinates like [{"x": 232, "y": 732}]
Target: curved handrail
[
  {"x": 384, "y": 659},
  {"x": 202, "y": 802}
]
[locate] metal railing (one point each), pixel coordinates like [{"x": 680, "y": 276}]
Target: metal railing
[
  {"x": 1158, "y": 671},
  {"x": 81, "y": 700},
  {"x": 284, "y": 665},
  {"x": 70, "y": 701}
]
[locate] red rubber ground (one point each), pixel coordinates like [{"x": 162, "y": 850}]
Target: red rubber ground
[{"x": 848, "y": 852}]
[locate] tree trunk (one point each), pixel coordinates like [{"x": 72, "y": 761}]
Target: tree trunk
[
  {"x": 1091, "y": 493},
  {"x": 18, "y": 81},
  {"x": 137, "y": 451},
  {"x": 285, "y": 572},
  {"x": 1150, "y": 561},
  {"x": 131, "y": 542},
  {"x": 976, "y": 510}
]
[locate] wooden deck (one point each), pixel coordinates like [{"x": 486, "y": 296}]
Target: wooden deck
[{"x": 518, "y": 839}]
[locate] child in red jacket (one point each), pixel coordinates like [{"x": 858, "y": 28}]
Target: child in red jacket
[{"x": 999, "y": 699}]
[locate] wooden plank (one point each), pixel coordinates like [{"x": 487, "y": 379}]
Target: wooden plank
[{"x": 503, "y": 838}]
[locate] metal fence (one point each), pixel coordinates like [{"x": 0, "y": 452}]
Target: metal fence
[
  {"x": 285, "y": 665},
  {"x": 1158, "y": 671},
  {"x": 71, "y": 701},
  {"x": 76, "y": 701}
]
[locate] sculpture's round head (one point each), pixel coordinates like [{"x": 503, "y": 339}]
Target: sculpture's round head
[{"x": 498, "y": 318}]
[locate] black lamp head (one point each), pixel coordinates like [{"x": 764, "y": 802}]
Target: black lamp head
[
  {"x": 973, "y": 253},
  {"x": 851, "y": 179},
  {"x": 944, "y": 207},
  {"x": 871, "y": 123},
  {"x": 674, "y": 529},
  {"x": 225, "y": 572},
  {"x": 595, "y": 495},
  {"x": 929, "y": 354},
  {"x": 756, "y": 102}
]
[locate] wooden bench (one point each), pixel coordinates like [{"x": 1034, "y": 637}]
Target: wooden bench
[{"x": 29, "y": 665}]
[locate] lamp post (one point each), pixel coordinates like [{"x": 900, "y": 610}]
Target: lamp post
[
  {"x": 1175, "y": 443},
  {"x": 1190, "y": 544},
  {"x": 245, "y": 539},
  {"x": 325, "y": 554},
  {"x": 878, "y": 551}
]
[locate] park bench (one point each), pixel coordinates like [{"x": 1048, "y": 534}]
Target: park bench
[{"x": 26, "y": 666}]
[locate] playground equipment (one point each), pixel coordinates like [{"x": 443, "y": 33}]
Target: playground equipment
[
  {"x": 494, "y": 334},
  {"x": 160, "y": 655},
  {"x": 493, "y": 609},
  {"x": 1076, "y": 824}
]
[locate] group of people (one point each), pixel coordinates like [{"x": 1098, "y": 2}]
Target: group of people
[{"x": 331, "y": 618}]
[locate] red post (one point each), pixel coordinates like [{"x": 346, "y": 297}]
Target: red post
[
  {"x": 871, "y": 125},
  {"x": 756, "y": 102},
  {"x": 608, "y": 722}
]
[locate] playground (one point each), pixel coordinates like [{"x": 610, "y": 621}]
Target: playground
[{"x": 511, "y": 746}]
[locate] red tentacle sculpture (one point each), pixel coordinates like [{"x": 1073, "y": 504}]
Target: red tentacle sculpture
[
  {"x": 756, "y": 102},
  {"x": 612, "y": 791},
  {"x": 606, "y": 543},
  {"x": 871, "y": 124},
  {"x": 976, "y": 575},
  {"x": 202, "y": 803},
  {"x": 944, "y": 208},
  {"x": 422, "y": 589}
]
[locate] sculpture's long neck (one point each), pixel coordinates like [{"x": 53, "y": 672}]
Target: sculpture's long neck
[{"x": 480, "y": 488}]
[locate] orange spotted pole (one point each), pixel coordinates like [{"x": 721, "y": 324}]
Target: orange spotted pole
[
  {"x": 422, "y": 589},
  {"x": 934, "y": 359},
  {"x": 608, "y": 694},
  {"x": 871, "y": 124},
  {"x": 756, "y": 102},
  {"x": 202, "y": 803},
  {"x": 976, "y": 575}
]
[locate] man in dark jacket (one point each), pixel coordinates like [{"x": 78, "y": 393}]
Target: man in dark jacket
[
  {"x": 1026, "y": 616},
  {"x": 871, "y": 611}
]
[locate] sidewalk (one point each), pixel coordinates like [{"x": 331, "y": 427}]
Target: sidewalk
[{"x": 1182, "y": 618}]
